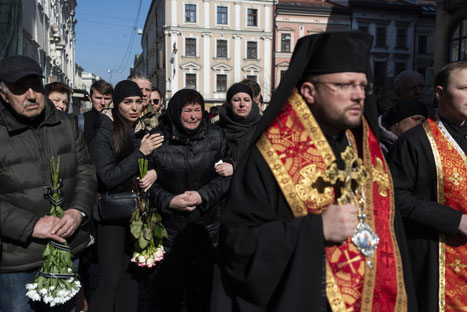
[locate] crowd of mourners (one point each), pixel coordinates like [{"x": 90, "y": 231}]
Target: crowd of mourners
[{"x": 192, "y": 155}]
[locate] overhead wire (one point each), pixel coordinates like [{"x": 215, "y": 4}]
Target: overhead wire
[{"x": 126, "y": 56}]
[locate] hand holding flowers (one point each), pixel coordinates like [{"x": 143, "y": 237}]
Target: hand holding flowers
[
  {"x": 56, "y": 281},
  {"x": 146, "y": 228}
]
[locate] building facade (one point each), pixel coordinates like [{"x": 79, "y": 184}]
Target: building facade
[
  {"x": 295, "y": 19},
  {"x": 207, "y": 46},
  {"x": 404, "y": 34},
  {"x": 451, "y": 32},
  {"x": 43, "y": 30}
]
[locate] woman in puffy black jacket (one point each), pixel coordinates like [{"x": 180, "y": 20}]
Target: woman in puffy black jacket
[
  {"x": 188, "y": 194},
  {"x": 119, "y": 141}
]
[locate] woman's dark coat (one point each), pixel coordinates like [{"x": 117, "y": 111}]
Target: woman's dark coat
[
  {"x": 111, "y": 174},
  {"x": 187, "y": 164}
]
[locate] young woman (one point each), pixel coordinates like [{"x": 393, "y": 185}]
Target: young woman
[{"x": 119, "y": 141}]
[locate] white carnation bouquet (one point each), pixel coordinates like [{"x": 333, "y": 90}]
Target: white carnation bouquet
[{"x": 57, "y": 281}]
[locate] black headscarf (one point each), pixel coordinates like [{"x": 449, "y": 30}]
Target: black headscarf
[
  {"x": 237, "y": 88},
  {"x": 236, "y": 127},
  {"x": 324, "y": 53},
  {"x": 175, "y": 107}
]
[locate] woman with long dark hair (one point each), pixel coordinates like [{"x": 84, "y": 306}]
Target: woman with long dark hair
[
  {"x": 188, "y": 194},
  {"x": 119, "y": 141}
]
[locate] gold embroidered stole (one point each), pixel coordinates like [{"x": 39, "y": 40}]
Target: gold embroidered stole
[
  {"x": 298, "y": 153},
  {"x": 451, "y": 175}
]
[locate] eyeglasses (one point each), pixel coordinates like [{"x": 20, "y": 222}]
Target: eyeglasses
[
  {"x": 155, "y": 101},
  {"x": 346, "y": 87}
]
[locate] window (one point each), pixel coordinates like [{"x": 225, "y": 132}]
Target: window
[
  {"x": 222, "y": 15},
  {"x": 458, "y": 42},
  {"x": 422, "y": 71},
  {"x": 399, "y": 68},
  {"x": 221, "y": 83},
  {"x": 381, "y": 36},
  {"x": 422, "y": 44},
  {"x": 282, "y": 74},
  {"x": 252, "y": 17},
  {"x": 401, "y": 38},
  {"x": 251, "y": 50},
  {"x": 252, "y": 78},
  {"x": 190, "y": 81},
  {"x": 285, "y": 43},
  {"x": 190, "y": 13},
  {"x": 222, "y": 48},
  {"x": 190, "y": 47},
  {"x": 363, "y": 28},
  {"x": 380, "y": 74}
]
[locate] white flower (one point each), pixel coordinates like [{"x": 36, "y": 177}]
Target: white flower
[
  {"x": 159, "y": 254},
  {"x": 33, "y": 295},
  {"x": 31, "y": 286}
]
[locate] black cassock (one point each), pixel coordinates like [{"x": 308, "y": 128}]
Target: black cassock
[
  {"x": 268, "y": 259},
  {"x": 414, "y": 174}
]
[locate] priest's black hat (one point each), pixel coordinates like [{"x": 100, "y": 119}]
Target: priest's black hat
[
  {"x": 323, "y": 53},
  {"x": 339, "y": 52}
]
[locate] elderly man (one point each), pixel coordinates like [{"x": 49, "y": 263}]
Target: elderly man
[
  {"x": 32, "y": 131},
  {"x": 410, "y": 85},
  {"x": 310, "y": 224},
  {"x": 429, "y": 166},
  {"x": 148, "y": 114}
]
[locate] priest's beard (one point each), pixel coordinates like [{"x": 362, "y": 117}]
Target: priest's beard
[{"x": 336, "y": 123}]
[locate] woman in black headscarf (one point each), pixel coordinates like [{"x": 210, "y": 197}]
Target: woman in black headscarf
[
  {"x": 188, "y": 194},
  {"x": 238, "y": 117}
]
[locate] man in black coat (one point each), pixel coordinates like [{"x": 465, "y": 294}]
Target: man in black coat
[
  {"x": 32, "y": 131},
  {"x": 100, "y": 96}
]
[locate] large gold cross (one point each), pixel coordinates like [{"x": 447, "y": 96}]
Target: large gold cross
[
  {"x": 354, "y": 172},
  {"x": 458, "y": 265}
]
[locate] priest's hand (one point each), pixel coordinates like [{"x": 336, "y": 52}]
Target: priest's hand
[
  {"x": 463, "y": 225},
  {"x": 339, "y": 222}
]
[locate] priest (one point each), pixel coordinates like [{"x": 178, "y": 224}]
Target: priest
[
  {"x": 310, "y": 224},
  {"x": 429, "y": 165}
]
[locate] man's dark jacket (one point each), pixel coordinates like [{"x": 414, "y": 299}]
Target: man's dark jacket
[{"x": 25, "y": 156}]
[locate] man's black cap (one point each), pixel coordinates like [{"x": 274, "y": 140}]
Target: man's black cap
[{"x": 13, "y": 68}]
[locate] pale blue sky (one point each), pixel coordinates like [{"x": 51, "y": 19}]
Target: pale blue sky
[{"x": 103, "y": 36}]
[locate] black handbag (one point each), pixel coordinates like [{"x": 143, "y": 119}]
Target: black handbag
[{"x": 117, "y": 206}]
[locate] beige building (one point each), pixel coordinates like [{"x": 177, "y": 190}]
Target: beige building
[{"x": 207, "y": 45}]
